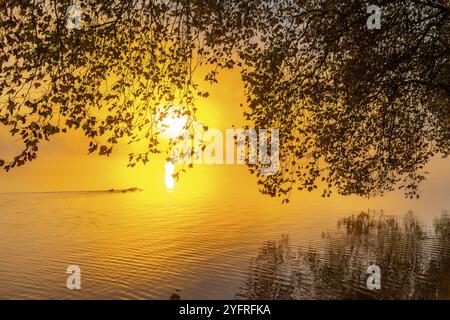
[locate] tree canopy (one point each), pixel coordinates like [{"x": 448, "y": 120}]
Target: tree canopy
[{"x": 359, "y": 110}]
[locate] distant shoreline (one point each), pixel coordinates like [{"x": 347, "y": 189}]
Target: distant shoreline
[{"x": 128, "y": 190}]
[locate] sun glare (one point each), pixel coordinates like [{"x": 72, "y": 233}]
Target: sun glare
[{"x": 172, "y": 126}]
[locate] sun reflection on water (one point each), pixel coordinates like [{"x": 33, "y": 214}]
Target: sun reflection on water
[{"x": 170, "y": 170}]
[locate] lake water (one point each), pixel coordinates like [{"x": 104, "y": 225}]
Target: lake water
[{"x": 138, "y": 246}]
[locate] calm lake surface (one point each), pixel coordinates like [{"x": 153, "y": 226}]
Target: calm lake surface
[{"x": 137, "y": 246}]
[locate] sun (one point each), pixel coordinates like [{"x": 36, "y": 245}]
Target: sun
[{"x": 172, "y": 126}]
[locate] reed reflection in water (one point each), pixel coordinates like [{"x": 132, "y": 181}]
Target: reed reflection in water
[{"x": 415, "y": 263}]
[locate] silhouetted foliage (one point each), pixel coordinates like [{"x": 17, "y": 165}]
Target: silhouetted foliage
[
  {"x": 360, "y": 110},
  {"x": 116, "y": 77},
  {"x": 414, "y": 263}
]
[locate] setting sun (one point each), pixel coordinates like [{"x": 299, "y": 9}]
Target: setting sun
[{"x": 172, "y": 125}]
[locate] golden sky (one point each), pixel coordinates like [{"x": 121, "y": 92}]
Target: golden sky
[{"x": 63, "y": 163}]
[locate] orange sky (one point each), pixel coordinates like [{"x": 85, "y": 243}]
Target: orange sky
[{"x": 63, "y": 163}]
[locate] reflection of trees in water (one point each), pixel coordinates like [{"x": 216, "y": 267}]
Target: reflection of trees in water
[{"x": 415, "y": 263}]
